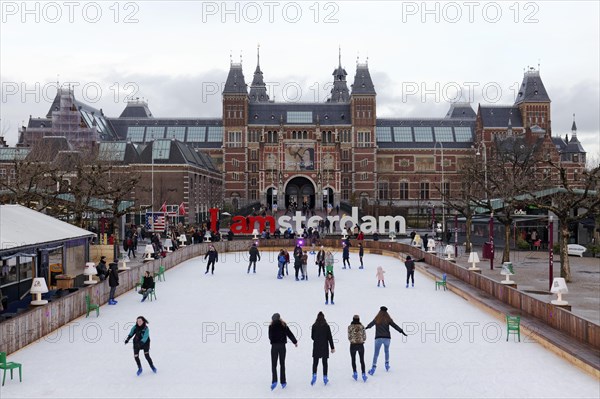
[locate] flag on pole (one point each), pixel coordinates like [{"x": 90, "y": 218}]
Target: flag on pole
[
  {"x": 163, "y": 208},
  {"x": 159, "y": 222},
  {"x": 181, "y": 210}
]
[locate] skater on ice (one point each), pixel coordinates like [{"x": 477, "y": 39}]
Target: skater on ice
[
  {"x": 410, "y": 270},
  {"x": 357, "y": 337},
  {"x": 141, "y": 341},
  {"x": 297, "y": 260},
  {"x": 329, "y": 260},
  {"x": 213, "y": 256},
  {"x": 329, "y": 287},
  {"x": 304, "y": 266},
  {"x": 320, "y": 261},
  {"x": 279, "y": 332},
  {"x": 322, "y": 341},
  {"x": 346, "y": 254},
  {"x": 361, "y": 253},
  {"x": 382, "y": 323},
  {"x": 280, "y": 264},
  {"x": 113, "y": 282},
  {"x": 379, "y": 274},
  {"x": 254, "y": 255}
]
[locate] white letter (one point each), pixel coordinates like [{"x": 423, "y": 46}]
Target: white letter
[{"x": 369, "y": 225}]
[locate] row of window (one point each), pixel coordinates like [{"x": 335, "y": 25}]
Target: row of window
[
  {"x": 327, "y": 137},
  {"x": 408, "y": 134},
  {"x": 190, "y": 134}
]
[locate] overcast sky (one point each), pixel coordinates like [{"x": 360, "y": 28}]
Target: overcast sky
[{"x": 177, "y": 54}]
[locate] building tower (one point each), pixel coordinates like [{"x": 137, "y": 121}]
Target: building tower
[
  {"x": 534, "y": 103},
  {"x": 363, "y": 108},
  {"x": 235, "y": 111}
]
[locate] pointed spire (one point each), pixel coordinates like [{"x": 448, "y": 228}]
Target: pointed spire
[
  {"x": 574, "y": 127},
  {"x": 258, "y": 57},
  {"x": 258, "y": 88},
  {"x": 339, "y": 92}
]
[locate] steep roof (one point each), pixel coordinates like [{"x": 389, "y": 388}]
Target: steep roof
[
  {"x": 136, "y": 109},
  {"x": 363, "y": 84},
  {"x": 258, "y": 88},
  {"x": 461, "y": 110},
  {"x": 498, "y": 116},
  {"x": 235, "y": 83},
  {"x": 339, "y": 91},
  {"x": 174, "y": 152},
  {"x": 299, "y": 113},
  {"x": 413, "y": 133},
  {"x": 532, "y": 88}
]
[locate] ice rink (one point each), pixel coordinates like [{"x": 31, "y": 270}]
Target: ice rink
[{"x": 209, "y": 338}]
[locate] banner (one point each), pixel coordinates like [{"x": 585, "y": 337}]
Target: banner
[{"x": 299, "y": 156}]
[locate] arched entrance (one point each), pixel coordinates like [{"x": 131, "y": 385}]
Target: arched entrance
[
  {"x": 300, "y": 190},
  {"x": 271, "y": 196}
]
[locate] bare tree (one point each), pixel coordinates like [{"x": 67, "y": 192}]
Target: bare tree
[{"x": 571, "y": 198}]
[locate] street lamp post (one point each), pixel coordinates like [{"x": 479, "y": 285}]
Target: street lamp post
[
  {"x": 491, "y": 223},
  {"x": 550, "y": 251},
  {"x": 484, "y": 167},
  {"x": 443, "y": 187},
  {"x": 455, "y": 234}
]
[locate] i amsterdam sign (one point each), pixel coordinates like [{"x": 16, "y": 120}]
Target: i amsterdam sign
[{"x": 368, "y": 225}]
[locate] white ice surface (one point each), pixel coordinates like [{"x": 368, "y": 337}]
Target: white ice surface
[{"x": 209, "y": 338}]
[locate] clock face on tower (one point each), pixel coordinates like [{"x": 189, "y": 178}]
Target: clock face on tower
[{"x": 299, "y": 157}]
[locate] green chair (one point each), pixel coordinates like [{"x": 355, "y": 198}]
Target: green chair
[
  {"x": 4, "y": 365},
  {"x": 513, "y": 326},
  {"x": 89, "y": 306},
  {"x": 441, "y": 283},
  {"x": 160, "y": 275},
  {"x": 152, "y": 293},
  {"x": 139, "y": 283}
]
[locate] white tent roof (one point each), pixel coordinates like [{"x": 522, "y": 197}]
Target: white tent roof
[{"x": 21, "y": 227}]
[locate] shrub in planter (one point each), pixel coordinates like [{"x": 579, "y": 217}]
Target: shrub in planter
[
  {"x": 522, "y": 244},
  {"x": 593, "y": 249}
]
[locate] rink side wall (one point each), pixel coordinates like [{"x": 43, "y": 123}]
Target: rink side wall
[{"x": 30, "y": 326}]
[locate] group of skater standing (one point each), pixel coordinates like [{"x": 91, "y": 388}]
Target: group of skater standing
[{"x": 323, "y": 345}]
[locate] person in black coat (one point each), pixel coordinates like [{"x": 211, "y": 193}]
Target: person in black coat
[
  {"x": 113, "y": 282},
  {"x": 322, "y": 341},
  {"x": 361, "y": 253},
  {"x": 147, "y": 285},
  {"x": 410, "y": 270},
  {"x": 102, "y": 270},
  {"x": 346, "y": 254},
  {"x": 213, "y": 256},
  {"x": 298, "y": 260},
  {"x": 321, "y": 261},
  {"x": 254, "y": 255},
  {"x": 279, "y": 332}
]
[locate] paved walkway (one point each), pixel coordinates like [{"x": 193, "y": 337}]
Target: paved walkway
[{"x": 532, "y": 277}]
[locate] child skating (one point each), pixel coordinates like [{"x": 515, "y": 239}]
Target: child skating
[{"x": 380, "y": 279}]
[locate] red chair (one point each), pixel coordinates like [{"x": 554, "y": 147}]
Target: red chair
[{"x": 537, "y": 244}]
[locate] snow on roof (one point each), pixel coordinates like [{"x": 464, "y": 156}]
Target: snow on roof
[{"x": 21, "y": 227}]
